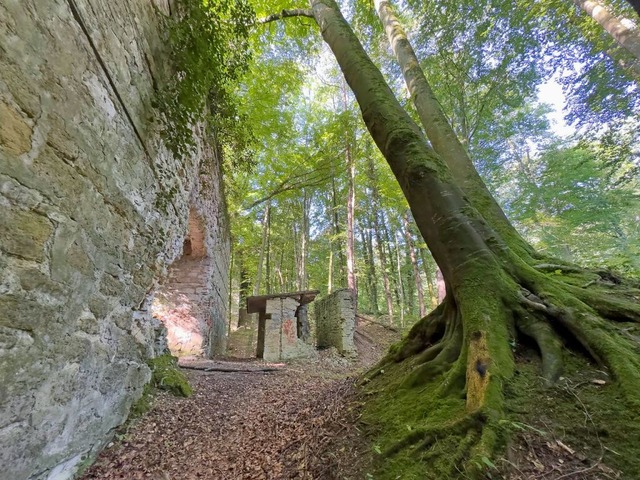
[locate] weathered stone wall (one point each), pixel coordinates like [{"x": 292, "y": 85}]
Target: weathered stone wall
[
  {"x": 335, "y": 317},
  {"x": 93, "y": 209}
]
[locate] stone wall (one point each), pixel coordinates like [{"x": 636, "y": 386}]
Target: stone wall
[
  {"x": 335, "y": 317},
  {"x": 93, "y": 210}
]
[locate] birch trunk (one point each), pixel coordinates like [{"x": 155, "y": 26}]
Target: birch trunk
[{"x": 627, "y": 37}]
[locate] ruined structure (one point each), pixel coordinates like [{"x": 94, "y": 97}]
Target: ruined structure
[
  {"x": 283, "y": 328},
  {"x": 191, "y": 302},
  {"x": 93, "y": 212},
  {"x": 335, "y": 317}
]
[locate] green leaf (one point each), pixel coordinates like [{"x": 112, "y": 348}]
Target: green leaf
[{"x": 488, "y": 463}]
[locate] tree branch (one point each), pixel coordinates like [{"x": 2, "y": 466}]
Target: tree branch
[{"x": 298, "y": 12}]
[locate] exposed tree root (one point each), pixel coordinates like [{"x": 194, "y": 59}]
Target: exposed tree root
[
  {"x": 466, "y": 350},
  {"x": 427, "y": 436}
]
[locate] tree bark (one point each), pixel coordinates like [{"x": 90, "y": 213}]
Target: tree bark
[
  {"x": 399, "y": 283},
  {"x": 373, "y": 282},
  {"x": 388, "y": 244},
  {"x": 337, "y": 232},
  {"x": 429, "y": 275},
  {"x": 442, "y": 137},
  {"x": 263, "y": 249},
  {"x": 351, "y": 202},
  {"x": 383, "y": 267},
  {"x": 304, "y": 240},
  {"x": 414, "y": 263},
  {"x": 366, "y": 261},
  {"x": 494, "y": 290},
  {"x": 244, "y": 291}
]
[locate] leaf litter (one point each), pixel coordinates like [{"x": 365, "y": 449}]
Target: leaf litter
[{"x": 295, "y": 421}]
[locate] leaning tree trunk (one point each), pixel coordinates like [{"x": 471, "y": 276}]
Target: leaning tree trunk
[
  {"x": 494, "y": 288},
  {"x": 440, "y": 133}
]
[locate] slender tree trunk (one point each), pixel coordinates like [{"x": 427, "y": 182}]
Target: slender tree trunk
[
  {"x": 330, "y": 276},
  {"x": 427, "y": 262},
  {"x": 442, "y": 286},
  {"x": 351, "y": 201},
  {"x": 244, "y": 291},
  {"x": 373, "y": 279},
  {"x": 337, "y": 232},
  {"x": 408, "y": 279},
  {"x": 400, "y": 283},
  {"x": 296, "y": 256},
  {"x": 230, "y": 299},
  {"x": 366, "y": 261},
  {"x": 263, "y": 249},
  {"x": 414, "y": 263},
  {"x": 386, "y": 235},
  {"x": 442, "y": 136},
  {"x": 627, "y": 37},
  {"x": 268, "y": 255},
  {"x": 383, "y": 267},
  {"x": 369, "y": 261},
  {"x": 377, "y": 228},
  {"x": 304, "y": 239},
  {"x": 281, "y": 279}
]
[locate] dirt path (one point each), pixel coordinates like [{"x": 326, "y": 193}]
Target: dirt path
[{"x": 298, "y": 422}]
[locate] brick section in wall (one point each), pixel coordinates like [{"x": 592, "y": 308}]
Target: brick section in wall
[{"x": 184, "y": 303}]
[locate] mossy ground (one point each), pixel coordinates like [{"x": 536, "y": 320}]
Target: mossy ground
[
  {"x": 584, "y": 411},
  {"x": 165, "y": 375}
]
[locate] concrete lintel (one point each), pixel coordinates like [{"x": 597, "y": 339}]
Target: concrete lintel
[{"x": 258, "y": 303}]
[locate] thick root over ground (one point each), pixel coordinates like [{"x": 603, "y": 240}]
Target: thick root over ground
[{"x": 450, "y": 374}]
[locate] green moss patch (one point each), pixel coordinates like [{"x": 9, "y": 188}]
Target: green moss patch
[
  {"x": 394, "y": 414},
  {"x": 581, "y": 423},
  {"x": 166, "y": 375}
]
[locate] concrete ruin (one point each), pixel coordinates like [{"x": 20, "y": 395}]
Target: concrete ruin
[
  {"x": 283, "y": 327},
  {"x": 335, "y": 317}
]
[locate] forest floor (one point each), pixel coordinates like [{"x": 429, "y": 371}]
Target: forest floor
[
  {"x": 303, "y": 420},
  {"x": 293, "y": 421}
]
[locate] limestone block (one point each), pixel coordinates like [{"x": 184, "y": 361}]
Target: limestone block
[
  {"x": 24, "y": 233},
  {"x": 15, "y": 134}
]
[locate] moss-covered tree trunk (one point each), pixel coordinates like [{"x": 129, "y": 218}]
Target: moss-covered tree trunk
[{"x": 496, "y": 288}]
